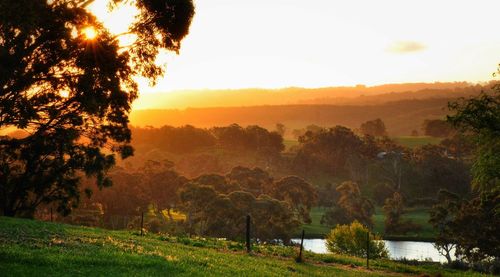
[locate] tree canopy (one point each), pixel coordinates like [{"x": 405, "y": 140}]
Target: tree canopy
[
  {"x": 374, "y": 128},
  {"x": 71, "y": 93},
  {"x": 480, "y": 118}
]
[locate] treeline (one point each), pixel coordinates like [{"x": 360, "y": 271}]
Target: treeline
[
  {"x": 345, "y": 171},
  {"x": 209, "y": 205},
  {"x": 378, "y": 164},
  {"x": 400, "y": 117},
  {"x": 187, "y": 138}
]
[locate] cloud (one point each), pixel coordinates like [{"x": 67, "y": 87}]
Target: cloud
[{"x": 403, "y": 47}]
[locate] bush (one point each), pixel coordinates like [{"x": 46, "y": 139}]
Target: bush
[{"x": 351, "y": 240}]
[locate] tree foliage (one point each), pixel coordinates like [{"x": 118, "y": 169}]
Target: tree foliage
[
  {"x": 327, "y": 149},
  {"x": 437, "y": 128},
  {"x": 374, "y": 128},
  {"x": 352, "y": 240},
  {"x": 351, "y": 206},
  {"x": 470, "y": 226},
  {"x": 299, "y": 194},
  {"x": 479, "y": 117},
  {"x": 223, "y": 215},
  {"x": 71, "y": 94}
]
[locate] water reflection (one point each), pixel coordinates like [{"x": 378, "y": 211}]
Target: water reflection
[{"x": 411, "y": 250}]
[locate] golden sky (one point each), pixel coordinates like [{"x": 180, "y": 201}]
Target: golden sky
[{"x": 316, "y": 43}]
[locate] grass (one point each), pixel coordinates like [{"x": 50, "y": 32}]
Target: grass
[
  {"x": 417, "y": 215},
  {"x": 316, "y": 229},
  {"x": 289, "y": 143},
  {"x": 413, "y": 142},
  {"x": 29, "y": 248}
]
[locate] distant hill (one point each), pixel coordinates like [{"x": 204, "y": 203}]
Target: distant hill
[
  {"x": 403, "y": 107},
  {"x": 289, "y": 96},
  {"x": 400, "y": 117}
]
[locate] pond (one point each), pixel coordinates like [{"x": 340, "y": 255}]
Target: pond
[{"x": 411, "y": 250}]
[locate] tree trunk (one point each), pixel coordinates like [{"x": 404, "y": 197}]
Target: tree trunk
[{"x": 170, "y": 217}]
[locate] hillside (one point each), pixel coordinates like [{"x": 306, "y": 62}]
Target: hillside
[
  {"x": 359, "y": 94},
  {"x": 400, "y": 117},
  {"x": 29, "y": 247}
]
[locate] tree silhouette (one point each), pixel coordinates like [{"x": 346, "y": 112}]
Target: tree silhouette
[
  {"x": 72, "y": 94},
  {"x": 374, "y": 128}
]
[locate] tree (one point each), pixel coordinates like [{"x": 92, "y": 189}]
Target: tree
[
  {"x": 255, "y": 181},
  {"x": 195, "y": 199},
  {"x": 382, "y": 191},
  {"x": 72, "y": 94},
  {"x": 299, "y": 194},
  {"x": 437, "y": 170},
  {"x": 218, "y": 182},
  {"x": 454, "y": 219},
  {"x": 374, "y": 128},
  {"x": 393, "y": 210},
  {"x": 280, "y": 129},
  {"x": 441, "y": 217},
  {"x": 351, "y": 206},
  {"x": 479, "y": 117},
  {"x": 327, "y": 149},
  {"x": 437, "y": 128},
  {"x": 352, "y": 240},
  {"x": 162, "y": 185}
]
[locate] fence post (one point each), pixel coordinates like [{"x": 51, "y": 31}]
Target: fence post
[
  {"x": 368, "y": 250},
  {"x": 142, "y": 223},
  {"x": 299, "y": 258},
  {"x": 51, "y": 215},
  {"x": 248, "y": 234}
]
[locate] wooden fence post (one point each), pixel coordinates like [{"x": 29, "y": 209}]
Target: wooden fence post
[
  {"x": 51, "y": 215},
  {"x": 142, "y": 223},
  {"x": 299, "y": 258},
  {"x": 248, "y": 234},
  {"x": 368, "y": 250}
]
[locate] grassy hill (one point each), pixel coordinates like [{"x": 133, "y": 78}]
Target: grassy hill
[{"x": 34, "y": 248}]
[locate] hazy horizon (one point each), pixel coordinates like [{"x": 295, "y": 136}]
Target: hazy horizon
[
  {"x": 234, "y": 97},
  {"x": 276, "y": 44}
]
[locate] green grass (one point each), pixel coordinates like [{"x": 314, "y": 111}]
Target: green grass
[
  {"x": 417, "y": 215},
  {"x": 413, "y": 142},
  {"x": 34, "y": 248},
  {"x": 289, "y": 143},
  {"x": 316, "y": 229}
]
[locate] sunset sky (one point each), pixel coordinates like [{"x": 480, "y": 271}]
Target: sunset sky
[{"x": 316, "y": 43}]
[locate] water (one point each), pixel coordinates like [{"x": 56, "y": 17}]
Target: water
[{"x": 411, "y": 250}]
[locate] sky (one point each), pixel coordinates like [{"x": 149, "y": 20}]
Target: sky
[{"x": 319, "y": 43}]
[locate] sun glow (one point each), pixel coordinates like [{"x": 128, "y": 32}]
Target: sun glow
[
  {"x": 334, "y": 43},
  {"x": 90, "y": 33}
]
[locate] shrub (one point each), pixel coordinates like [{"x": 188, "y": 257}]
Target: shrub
[{"x": 352, "y": 240}]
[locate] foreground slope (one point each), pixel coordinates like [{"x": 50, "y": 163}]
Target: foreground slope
[{"x": 29, "y": 248}]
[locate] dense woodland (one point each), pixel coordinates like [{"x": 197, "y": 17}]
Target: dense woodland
[{"x": 204, "y": 181}]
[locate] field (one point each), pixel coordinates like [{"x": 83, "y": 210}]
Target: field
[
  {"x": 413, "y": 142},
  {"x": 419, "y": 216},
  {"x": 29, "y": 248}
]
